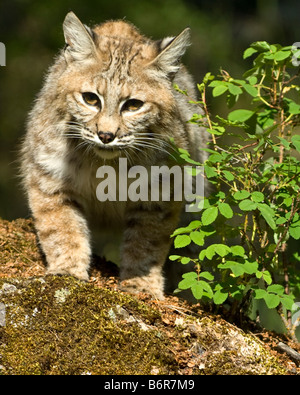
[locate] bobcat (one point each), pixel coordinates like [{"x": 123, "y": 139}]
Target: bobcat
[{"x": 109, "y": 95}]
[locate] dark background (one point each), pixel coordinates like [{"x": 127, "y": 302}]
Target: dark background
[{"x": 32, "y": 33}]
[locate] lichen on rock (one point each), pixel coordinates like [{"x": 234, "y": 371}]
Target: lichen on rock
[
  {"x": 60, "y": 325},
  {"x": 50, "y": 331}
]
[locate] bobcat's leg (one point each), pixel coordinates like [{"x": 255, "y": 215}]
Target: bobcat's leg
[
  {"x": 62, "y": 232},
  {"x": 146, "y": 244}
]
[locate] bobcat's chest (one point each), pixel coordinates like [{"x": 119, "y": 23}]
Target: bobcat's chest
[{"x": 98, "y": 194}]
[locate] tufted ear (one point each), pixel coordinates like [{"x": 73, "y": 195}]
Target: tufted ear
[
  {"x": 172, "y": 49},
  {"x": 78, "y": 37}
]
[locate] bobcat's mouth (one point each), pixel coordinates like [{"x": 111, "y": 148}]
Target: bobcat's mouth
[
  {"x": 107, "y": 152},
  {"x": 115, "y": 147}
]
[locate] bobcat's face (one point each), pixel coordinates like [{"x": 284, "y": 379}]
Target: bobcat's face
[
  {"x": 117, "y": 87},
  {"x": 114, "y": 118}
]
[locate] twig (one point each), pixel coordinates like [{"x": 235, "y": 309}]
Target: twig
[
  {"x": 248, "y": 146},
  {"x": 294, "y": 355}
]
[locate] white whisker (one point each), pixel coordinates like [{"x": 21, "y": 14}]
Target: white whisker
[{"x": 134, "y": 144}]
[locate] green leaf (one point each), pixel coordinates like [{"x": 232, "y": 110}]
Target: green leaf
[
  {"x": 268, "y": 214},
  {"x": 267, "y": 277},
  {"x": 197, "y": 290},
  {"x": 272, "y": 300},
  {"x": 182, "y": 241},
  {"x": 296, "y": 142},
  {"x": 208, "y": 276},
  {"x": 284, "y": 142},
  {"x": 261, "y": 46},
  {"x": 237, "y": 251},
  {"x": 209, "y": 215},
  {"x": 229, "y": 176},
  {"x": 183, "y": 151},
  {"x": 276, "y": 288},
  {"x": 194, "y": 224},
  {"x": 185, "y": 260},
  {"x": 219, "y": 90},
  {"x": 251, "y": 90},
  {"x": 240, "y": 195},
  {"x": 206, "y": 287},
  {"x": 188, "y": 280},
  {"x": 260, "y": 293},
  {"x": 287, "y": 301},
  {"x": 221, "y": 195},
  {"x": 202, "y": 255},
  {"x": 215, "y": 158},
  {"x": 216, "y": 131},
  {"x": 281, "y": 55},
  {"x": 257, "y": 196},
  {"x": 221, "y": 249},
  {"x": 248, "y": 52},
  {"x": 197, "y": 238},
  {"x": 234, "y": 90},
  {"x": 294, "y": 231},
  {"x": 250, "y": 267},
  {"x": 208, "y": 77},
  {"x": 240, "y": 115},
  {"x": 220, "y": 297},
  {"x": 174, "y": 257},
  {"x": 252, "y": 80},
  {"x": 294, "y": 108},
  {"x": 210, "y": 171},
  {"x": 236, "y": 267},
  {"x": 247, "y": 205},
  {"x": 210, "y": 252},
  {"x": 281, "y": 221},
  {"x": 225, "y": 210},
  {"x": 188, "y": 159}
]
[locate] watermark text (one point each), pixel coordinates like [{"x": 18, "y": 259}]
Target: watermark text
[
  {"x": 296, "y": 54},
  {"x": 2, "y": 54},
  {"x": 155, "y": 183}
]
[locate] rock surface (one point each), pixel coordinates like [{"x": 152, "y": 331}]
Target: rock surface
[{"x": 59, "y": 325}]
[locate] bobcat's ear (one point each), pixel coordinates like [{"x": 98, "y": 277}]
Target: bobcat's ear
[
  {"x": 172, "y": 49},
  {"x": 78, "y": 37}
]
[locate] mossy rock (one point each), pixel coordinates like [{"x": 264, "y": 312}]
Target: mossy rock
[{"x": 58, "y": 325}]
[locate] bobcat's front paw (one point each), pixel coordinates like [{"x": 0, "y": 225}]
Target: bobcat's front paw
[
  {"x": 81, "y": 274},
  {"x": 141, "y": 285}
]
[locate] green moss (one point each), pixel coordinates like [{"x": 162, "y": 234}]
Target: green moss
[{"x": 59, "y": 325}]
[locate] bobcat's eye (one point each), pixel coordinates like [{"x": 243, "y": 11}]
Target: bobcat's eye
[
  {"x": 91, "y": 99},
  {"x": 132, "y": 105}
]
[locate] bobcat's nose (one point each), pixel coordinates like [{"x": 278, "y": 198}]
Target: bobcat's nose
[{"x": 106, "y": 137}]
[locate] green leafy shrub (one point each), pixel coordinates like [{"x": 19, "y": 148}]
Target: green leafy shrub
[{"x": 252, "y": 214}]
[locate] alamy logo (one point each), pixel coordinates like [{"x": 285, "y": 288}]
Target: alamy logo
[
  {"x": 2, "y": 55},
  {"x": 156, "y": 183},
  {"x": 296, "y": 54}
]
